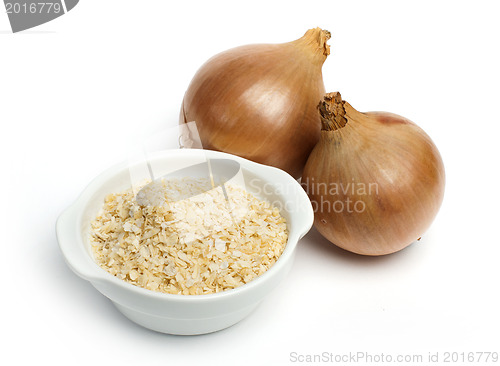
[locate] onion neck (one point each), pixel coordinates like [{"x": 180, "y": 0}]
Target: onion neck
[
  {"x": 315, "y": 40},
  {"x": 332, "y": 112},
  {"x": 337, "y": 114}
]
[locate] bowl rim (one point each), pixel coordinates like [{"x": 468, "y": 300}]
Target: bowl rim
[{"x": 68, "y": 228}]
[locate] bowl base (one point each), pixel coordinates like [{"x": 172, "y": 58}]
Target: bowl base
[{"x": 185, "y": 326}]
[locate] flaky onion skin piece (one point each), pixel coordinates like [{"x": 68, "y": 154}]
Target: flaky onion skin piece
[
  {"x": 376, "y": 179},
  {"x": 259, "y": 101}
]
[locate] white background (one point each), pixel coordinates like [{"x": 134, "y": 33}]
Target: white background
[{"x": 74, "y": 92}]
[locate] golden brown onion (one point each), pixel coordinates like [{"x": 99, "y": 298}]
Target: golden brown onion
[
  {"x": 376, "y": 180},
  {"x": 259, "y": 101}
]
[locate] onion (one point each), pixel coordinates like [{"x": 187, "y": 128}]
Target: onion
[
  {"x": 259, "y": 101},
  {"x": 376, "y": 180}
]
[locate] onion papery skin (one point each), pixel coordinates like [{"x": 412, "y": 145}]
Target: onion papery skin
[
  {"x": 259, "y": 101},
  {"x": 382, "y": 160}
]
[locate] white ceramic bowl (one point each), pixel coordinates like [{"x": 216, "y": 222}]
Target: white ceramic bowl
[{"x": 183, "y": 314}]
